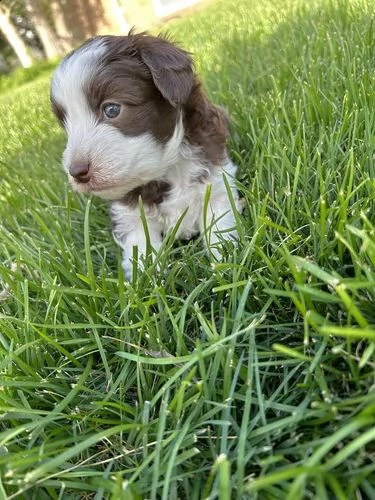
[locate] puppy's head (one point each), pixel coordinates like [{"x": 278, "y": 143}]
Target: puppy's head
[{"x": 120, "y": 100}]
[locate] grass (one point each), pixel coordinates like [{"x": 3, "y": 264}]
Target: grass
[
  {"x": 252, "y": 378},
  {"x": 20, "y": 76}
]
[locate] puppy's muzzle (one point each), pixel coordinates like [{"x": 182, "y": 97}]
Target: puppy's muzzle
[{"x": 80, "y": 171}]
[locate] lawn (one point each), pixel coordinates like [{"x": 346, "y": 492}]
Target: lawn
[{"x": 253, "y": 378}]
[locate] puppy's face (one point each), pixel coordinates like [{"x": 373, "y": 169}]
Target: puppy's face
[{"x": 119, "y": 100}]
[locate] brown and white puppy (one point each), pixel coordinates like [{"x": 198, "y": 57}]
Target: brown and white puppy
[{"x": 139, "y": 126}]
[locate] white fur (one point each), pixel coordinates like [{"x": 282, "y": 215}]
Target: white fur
[
  {"x": 121, "y": 163},
  {"x": 186, "y": 200}
]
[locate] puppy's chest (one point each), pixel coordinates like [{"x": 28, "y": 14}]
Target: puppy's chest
[{"x": 183, "y": 205}]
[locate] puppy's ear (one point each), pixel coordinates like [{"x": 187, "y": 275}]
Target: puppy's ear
[
  {"x": 171, "y": 69},
  {"x": 206, "y": 126}
]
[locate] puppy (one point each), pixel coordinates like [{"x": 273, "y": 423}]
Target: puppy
[{"x": 142, "y": 133}]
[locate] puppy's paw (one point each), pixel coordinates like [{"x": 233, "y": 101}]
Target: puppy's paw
[
  {"x": 221, "y": 245},
  {"x": 132, "y": 264},
  {"x": 128, "y": 267},
  {"x": 128, "y": 270}
]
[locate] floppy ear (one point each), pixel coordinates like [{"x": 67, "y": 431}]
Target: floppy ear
[
  {"x": 171, "y": 69},
  {"x": 206, "y": 126}
]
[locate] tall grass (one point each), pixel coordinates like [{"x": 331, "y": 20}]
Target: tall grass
[{"x": 252, "y": 378}]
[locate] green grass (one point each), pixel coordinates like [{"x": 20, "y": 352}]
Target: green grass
[
  {"x": 20, "y": 76},
  {"x": 253, "y": 378}
]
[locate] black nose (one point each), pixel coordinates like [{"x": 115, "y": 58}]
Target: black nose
[{"x": 80, "y": 171}]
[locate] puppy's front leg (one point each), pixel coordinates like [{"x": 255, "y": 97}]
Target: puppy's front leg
[
  {"x": 218, "y": 221},
  {"x": 128, "y": 232}
]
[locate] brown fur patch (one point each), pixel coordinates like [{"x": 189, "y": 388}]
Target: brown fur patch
[
  {"x": 206, "y": 126},
  {"x": 124, "y": 79},
  {"x": 152, "y": 193}
]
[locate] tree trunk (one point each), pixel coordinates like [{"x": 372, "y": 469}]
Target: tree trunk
[
  {"x": 51, "y": 46},
  {"x": 115, "y": 17},
  {"x": 15, "y": 41},
  {"x": 61, "y": 26},
  {"x": 82, "y": 19}
]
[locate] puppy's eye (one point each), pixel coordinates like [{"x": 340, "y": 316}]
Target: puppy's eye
[{"x": 111, "y": 110}]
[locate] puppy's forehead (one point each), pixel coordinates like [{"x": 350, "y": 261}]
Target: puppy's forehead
[{"x": 76, "y": 70}]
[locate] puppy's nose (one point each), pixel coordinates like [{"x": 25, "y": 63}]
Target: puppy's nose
[{"x": 80, "y": 171}]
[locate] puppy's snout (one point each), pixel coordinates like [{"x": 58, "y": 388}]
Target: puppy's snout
[{"x": 80, "y": 171}]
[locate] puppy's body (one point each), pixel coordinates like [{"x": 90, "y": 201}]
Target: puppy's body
[{"x": 140, "y": 126}]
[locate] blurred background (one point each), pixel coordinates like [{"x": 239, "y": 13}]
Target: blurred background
[{"x": 44, "y": 30}]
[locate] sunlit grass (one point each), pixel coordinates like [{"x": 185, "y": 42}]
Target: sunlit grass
[{"x": 252, "y": 378}]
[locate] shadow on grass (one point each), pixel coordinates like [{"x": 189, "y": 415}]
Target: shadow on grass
[{"x": 307, "y": 67}]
